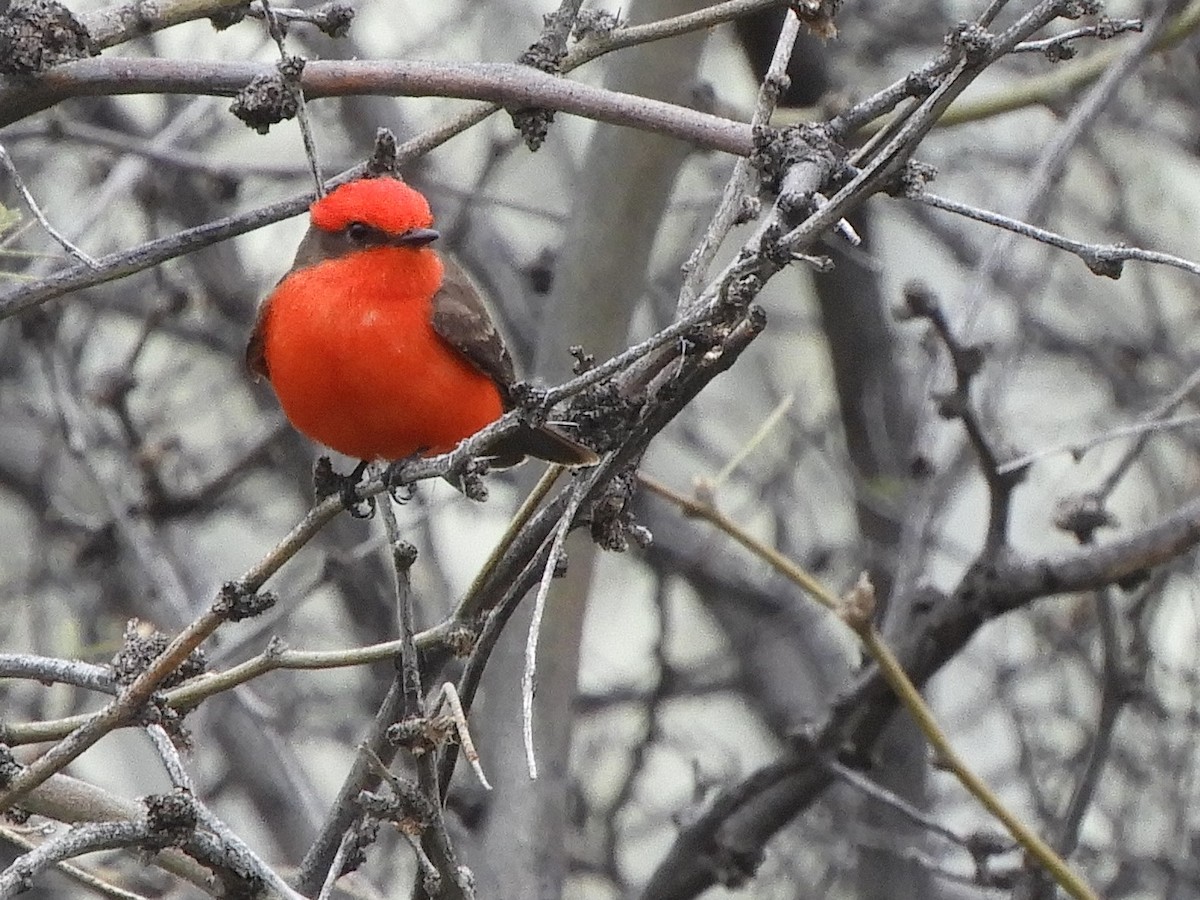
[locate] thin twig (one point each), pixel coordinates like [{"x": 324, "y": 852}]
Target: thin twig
[
  {"x": 84, "y": 877},
  {"x": 1033, "y": 843},
  {"x": 19, "y": 183},
  {"x": 287, "y": 71},
  {"x": 170, "y": 757},
  {"x": 1169, "y": 404},
  {"x": 535, "y": 625},
  {"x": 742, "y": 186},
  {"x": 764, "y": 430},
  {"x": 1064, "y": 81},
  {"x": 1114, "y": 696},
  {"x": 50, "y": 670},
  {"x": 882, "y": 795},
  {"x": 1052, "y": 160},
  {"x": 58, "y": 129},
  {"x": 339, "y": 862},
  {"x": 448, "y": 695},
  {"x": 434, "y": 846},
  {"x": 229, "y": 838},
  {"x": 595, "y": 44},
  {"x": 77, "y": 841},
  {"x": 518, "y": 522},
  {"x": 860, "y": 621},
  {"x": 1102, "y": 259},
  {"x": 1107, "y": 28},
  {"x": 1078, "y": 448}
]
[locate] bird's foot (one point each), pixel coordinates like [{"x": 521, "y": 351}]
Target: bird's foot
[
  {"x": 394, "y": 476},
  {"x": 327, "y": 483}
]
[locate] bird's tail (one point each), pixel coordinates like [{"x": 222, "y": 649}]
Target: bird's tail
[{"x": 545, "y": 442}]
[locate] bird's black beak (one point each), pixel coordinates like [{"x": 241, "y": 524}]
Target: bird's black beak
[{"x": 416, "y": 237}]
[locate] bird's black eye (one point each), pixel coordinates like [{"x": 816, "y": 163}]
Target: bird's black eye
[{"x": 357, "y": 232}]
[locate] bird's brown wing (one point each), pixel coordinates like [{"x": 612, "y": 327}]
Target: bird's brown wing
[
  {"x": 256, "y": 347},
  {"x": 461, "y": 318}
]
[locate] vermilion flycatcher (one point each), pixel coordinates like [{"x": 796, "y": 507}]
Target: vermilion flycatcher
[{"x": 378, "y": 347}]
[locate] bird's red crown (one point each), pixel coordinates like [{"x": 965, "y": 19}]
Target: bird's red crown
[{"x": 384, "y": 203}]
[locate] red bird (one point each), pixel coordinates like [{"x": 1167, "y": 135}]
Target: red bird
[{"x": 378, "y": 347}]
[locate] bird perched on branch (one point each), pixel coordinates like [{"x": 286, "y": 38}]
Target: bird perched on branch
[{"x": 380, "y": 348}]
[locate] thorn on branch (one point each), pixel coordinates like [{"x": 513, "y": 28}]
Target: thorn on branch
[
  {"x": 772, "y": 249},
  {"x": 561, "y": 565},
  {"x": 776, "y": 86},
  {"x": 421, "y": 734},
  {"x": 534, "y": 125},
  {"x": 17, "y": 815},
  {"x": 333, "y": 18},
  {"x": 403, "y": 805},
  {"x": 527, "y": 396},
  {"x": 234, "y": 603},
  {"x": 793, "y": 209},
  {"x": 36, "y": 35},
  {"x": 1060, "y": 51},
  {"x": 742, "y": 290},
  {"x": 460, "y": 640}
]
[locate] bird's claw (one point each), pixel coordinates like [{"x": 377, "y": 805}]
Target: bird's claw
[
  {"x": 393, "y": 476},
  {"x": 327, "y": 482}
]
